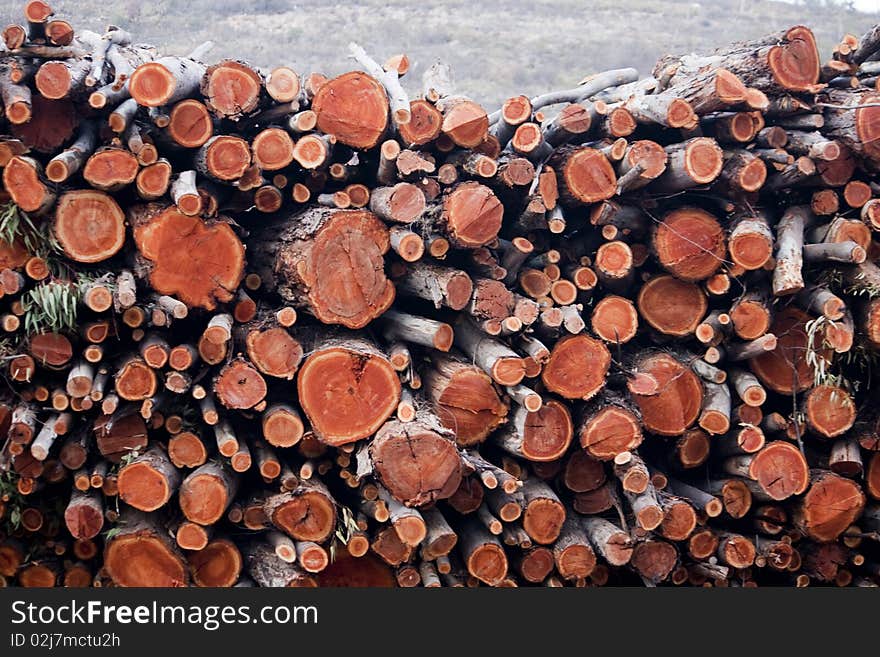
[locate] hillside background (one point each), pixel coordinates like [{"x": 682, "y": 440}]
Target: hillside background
[{"x": 496, "y": 48}]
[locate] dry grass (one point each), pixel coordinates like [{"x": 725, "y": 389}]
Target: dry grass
[{"x": 496, "y": 48}]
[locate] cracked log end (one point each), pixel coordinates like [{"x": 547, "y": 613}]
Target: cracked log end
[
  {"x": 89, "y": 225},
  {"x": 424, "y": 123},
  {"x": 469, "y": 405},
  {"x": 306, "y": 515},
  {"x": 614, "y": 319},
  {"x": 677, "y": 405},
  {"x": 415, "y": 463},
  {"x": 577, "y": 367},
  {"x": 781, "y": 470},
  {"x": 275, "y": 352},
  {"x": 190, "y": 124},
  {"x": 240, "y": 385},
  {"x": 654, "y": 560},
  {"x": 588, "y": 176},
  {"x": 473, "y": 215},
  {"x": 232, "y": 89},
  {"x": 347, "y": 393},
  {"x": 690, "y": 244},
  {"x": 830, "y": 506},
  {"x": 785, "y": 369},
  {"x": 795, "y": 63},
  {"x": 611, "y": 431},
  {"x": 343, "y": 271},
  {"x": 21, "y": 178},
  {"x": 547, "y": 432},
  {"x": 205, "y": 495},
  {"x": 353, "y": 108},
  {"x": 830, "y": 411},
  {"x": 197, "y": 262}
]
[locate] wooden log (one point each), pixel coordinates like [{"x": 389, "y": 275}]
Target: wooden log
[
  {"x": 231, "y": 89},
  {"x": 197, "y": 276},
  {"x": 565, "y": 374},
  {"x": 347, "y": 389},
  {"x": 165, "y": 81},
  {"x": 672, "y": 306},
  {"x": 149, "y": 481},
  {"x": 218, "y": 564},
  {"x": 416, "y": 461},
  {"x": 299, "y": 257},
  {"x": 465, "y": 399},
  {"x": 142, "y": 554},
  {"x": 306, "y": 514},
  {"x": 353, "y": 108},
  {"x": 541, "y": 435},
  {"x": 677, "y": 405},
  {"x": 830, "y": 505}
]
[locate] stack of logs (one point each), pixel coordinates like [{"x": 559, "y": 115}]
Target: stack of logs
[{"x": 265, "y": 328}]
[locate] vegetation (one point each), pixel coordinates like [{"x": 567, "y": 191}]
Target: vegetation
[{"x": 496, "y": 48}]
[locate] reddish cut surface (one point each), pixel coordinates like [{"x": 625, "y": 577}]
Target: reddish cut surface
[
  {"x": 217, "y": 565},
  {"x": 352, "y": 107},
  {"x": 347, "y": 395},
  {"x": 240, "y": 386},
  {"x": 203, "y": 498},
  {"x": 547, "y": 432},
  {"x": 143, "y": 560},
  {"x": 275, "y": 352},
  {"x": 795, "y": 63},
  {"x": 52, "y": 349},
  {"x": 470, "y": 406},
  {"x": 345, "y": 271},
  {"x": 309, "y": 516},
  {"x": 83, "y": 520},
  {"x": 89, "y": 225},
  {"x": 672, "y": 306},
  {"x": 52, "y": 123},
  {"x": 466, "y": 123},
  {"x": 781, "y": 470},
  {"x": 677, "y": 405},
  {"x": 417, "y": 465},
  {"x": 273, "y": 149},
  {"x": 830, "y": 506},
  {"x": 589, "y": 176},
  {"x": 199, "y": 263},
  {"x": 830, "y": 410},
  {"x": 232, "y": 88},
  {"x": 143, "y": 487},
  {"x": 577, "y": 367},
  {"x": 611, "y": 431},
  {"x": 23, "y": 183},
  {"x": 111, "y": 167},
  {"x": 690, "y": 243},
  {"x": 190, "y": 123},
  {"x": 424, "y": 124},
  {"x": 785, "y": 369},
  {"x": 14, "y": 255},
  {"x": 350, "y": 572},
  {"x": 615, "y": 319},
  {"x": 473, "y": 214}
]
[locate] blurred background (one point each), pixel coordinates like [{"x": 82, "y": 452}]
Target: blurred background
[{"x": 496, "y": 49}]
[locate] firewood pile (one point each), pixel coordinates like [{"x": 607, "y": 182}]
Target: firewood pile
[{"x": 266, "y": 328}]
